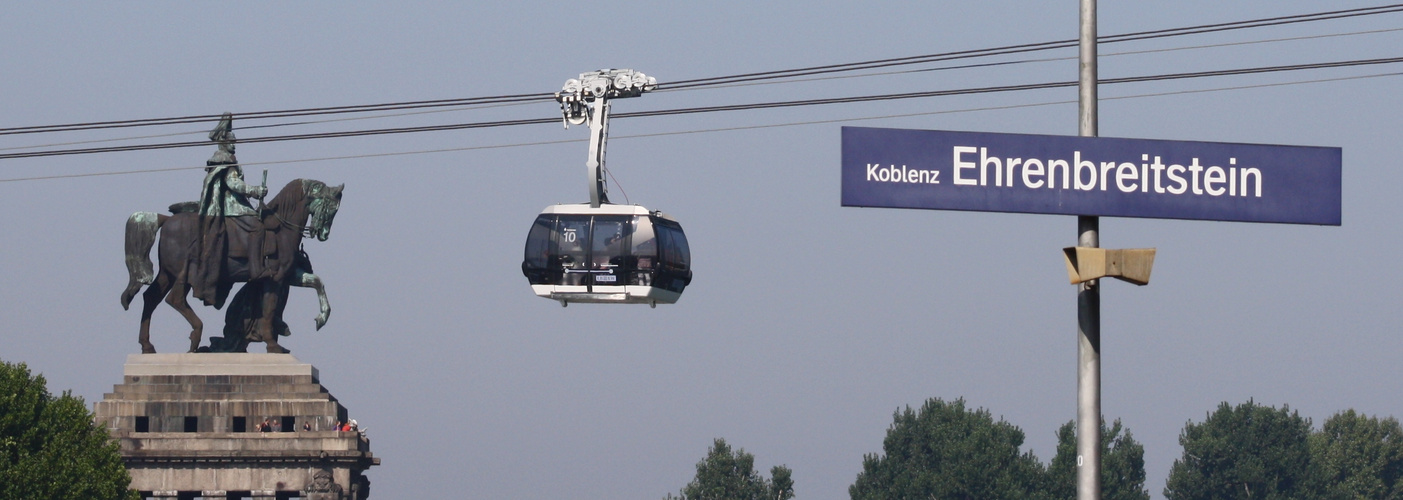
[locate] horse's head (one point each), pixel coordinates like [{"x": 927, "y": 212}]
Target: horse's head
[{"x": 323, "y": 202}]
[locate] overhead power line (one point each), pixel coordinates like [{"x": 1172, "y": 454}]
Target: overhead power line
[
  {"x": 720, "y": 108},
  {"x": 730, "y": 79},
  {"x": 271, "y": 125},
  {"x": 1102, "y": 55},
  {"x": 146, "y": 122},
  {"x": 1034, "y": 47},
  {"x": 733, "y": 85},
  {"x": 279, "y": 138},
  {"x": 702, "y": 131},
  {"x": 1009, "y": 88}
]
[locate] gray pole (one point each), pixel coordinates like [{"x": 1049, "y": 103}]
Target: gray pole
[{"x": 1088, "y": 293}]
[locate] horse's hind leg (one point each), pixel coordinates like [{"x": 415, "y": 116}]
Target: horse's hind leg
[
  {"x": 197, "y": 327},
  {"x": 267, "y": 315},
  {"x": 279, "y": 326},
  {"x": 150, "y": 299}
]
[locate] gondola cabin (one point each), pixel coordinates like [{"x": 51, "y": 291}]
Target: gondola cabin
[{"x": 618, "y": 254}]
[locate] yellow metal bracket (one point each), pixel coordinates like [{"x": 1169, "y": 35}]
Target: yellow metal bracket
[{"x": 1131, "y": 265}]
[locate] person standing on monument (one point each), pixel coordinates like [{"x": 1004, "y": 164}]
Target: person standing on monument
[{"x": 224, "y": 205}]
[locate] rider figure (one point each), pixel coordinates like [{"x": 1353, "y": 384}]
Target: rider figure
[{"x": 224, "y": 204}]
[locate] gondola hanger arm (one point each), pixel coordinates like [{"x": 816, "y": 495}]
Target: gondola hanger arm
[{"x": 586, "y": 99}]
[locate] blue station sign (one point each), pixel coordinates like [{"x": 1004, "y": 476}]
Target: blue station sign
[{"x": 1100, "y": 176}]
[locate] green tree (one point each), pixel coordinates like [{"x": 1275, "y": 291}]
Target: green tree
[
  {"x": 1122, "y": 464},
  {"x": 49, "y": 446},
  {"x": 1357, "y": 457},
  {"x": 1247, "y": 451},
  {"x": 727, "y": 474},
  {"x": 945, "y": 451}
]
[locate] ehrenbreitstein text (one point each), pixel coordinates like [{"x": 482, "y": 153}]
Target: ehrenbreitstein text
[{"x": 975, "y": 166}]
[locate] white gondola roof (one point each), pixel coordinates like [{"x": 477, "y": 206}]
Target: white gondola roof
[{"x": 604, "y": 209}]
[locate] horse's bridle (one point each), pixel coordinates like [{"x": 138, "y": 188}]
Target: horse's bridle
[{"x": 286, "y": 224}]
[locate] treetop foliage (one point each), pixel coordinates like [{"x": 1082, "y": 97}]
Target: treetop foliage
[
  {"x": 1357, "y": 456},
  {"x": 727, "y": 474},
  {"x": 1244, "y": 451},
  {"x": 1255, "y": 451},
  {"x": 49, "y": 446},
  {"x": 944, "y": 450}
]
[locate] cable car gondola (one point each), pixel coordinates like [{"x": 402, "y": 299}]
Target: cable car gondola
[
  {"x": 601, "y": 252},
  {"x": 613, "y": 254}
]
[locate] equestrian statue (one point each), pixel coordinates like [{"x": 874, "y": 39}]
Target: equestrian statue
[{"x": 206, "y": 247}]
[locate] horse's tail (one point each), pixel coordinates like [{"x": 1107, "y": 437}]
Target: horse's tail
[{"x": 141, "y": 236}]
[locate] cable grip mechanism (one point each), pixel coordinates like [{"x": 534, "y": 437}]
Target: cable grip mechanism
[{"x": 579, "y": 97}]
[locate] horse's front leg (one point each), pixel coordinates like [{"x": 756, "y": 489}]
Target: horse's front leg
[
  {"x": 177, "y": 300},
  {"x": 308, "y": 280}
]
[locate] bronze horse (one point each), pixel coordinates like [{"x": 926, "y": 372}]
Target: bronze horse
[{"x": 304, "y": 207}]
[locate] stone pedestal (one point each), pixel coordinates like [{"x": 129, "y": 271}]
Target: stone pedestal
[{"x": 189, "y": 426}]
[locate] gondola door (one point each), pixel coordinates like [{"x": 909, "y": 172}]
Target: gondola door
[
  {"x": 572, "y": 249},
  {"x": 608, "y": 250}
]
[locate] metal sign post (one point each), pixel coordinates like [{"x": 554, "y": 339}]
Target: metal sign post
[{"x": 1088, "y": 292}]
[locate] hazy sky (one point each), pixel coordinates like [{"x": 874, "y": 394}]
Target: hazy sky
[{"x": 807, "y": 324}]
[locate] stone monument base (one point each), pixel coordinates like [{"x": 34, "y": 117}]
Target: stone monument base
[{"x": 191, "y": 425}]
